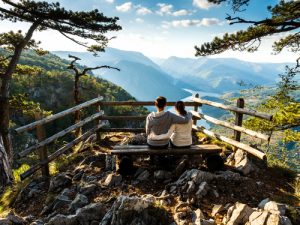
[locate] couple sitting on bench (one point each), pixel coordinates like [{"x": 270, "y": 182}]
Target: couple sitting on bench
[{"x": 164, "y": 128}]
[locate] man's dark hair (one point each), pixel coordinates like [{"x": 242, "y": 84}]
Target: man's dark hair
[{"x": 160, "y": 102}]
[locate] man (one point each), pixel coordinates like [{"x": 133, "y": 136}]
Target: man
[{"x": 160, "y": 122}]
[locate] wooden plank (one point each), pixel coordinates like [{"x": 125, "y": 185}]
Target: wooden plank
[
  {"x": 231, "y": 126},
  {"x": 240, "y": 103},
  {"x": 58, "y": 115},
  {"x": 234, "y": 109},
  {"x": 59, "y": 152},
  {"x": 42, "y": 151},
  {"x": 59, "y": 134},
  {"x": 123, "y": 117},
  {"x": 142, "y": 103},
  {"x": 146, "y": 150},
  {"x": 237, "y": 144},
  {"x": 130, "y": 130}
]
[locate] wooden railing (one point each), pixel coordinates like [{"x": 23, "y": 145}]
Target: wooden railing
[
  {"x": 41, "y": 146},
  {"x": 196, "y": 102}
]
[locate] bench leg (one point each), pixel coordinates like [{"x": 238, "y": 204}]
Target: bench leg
[
  {"x": 214, "y": 162},
  {"x": 125, "y": 165}
]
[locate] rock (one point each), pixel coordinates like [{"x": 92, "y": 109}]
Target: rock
[
  {"x": 242, "y": 162},
  {"x": 181, "y": 167},
  {"x": 110, "y": 162},
  {"x": 239, "y": 214},
  {"x": 262, "y": 204},
  {"x": 143, "y": 176},
  {"x": 84, "y": 216},
  {"x": 162, "y": 175},
  {"x": 217, "y": 209},
  {"x": 59, "y": 182},
  {"x": 258, "y": 218},
  {"x": 14, "y": 219},
  {"x": 135, "y": 210},
  {"x": 276, "y": 219},
  {"x": 275, "y": 208},
  {"x": 191, "y": 188},
  {"x": 202, "y": 190},
  {"x": 78, "y": 176},
  {"x": 79, "y": 201},
  {"x": 60, "y": 201},
  {"x": 4, "y": 221},
  {"x": 113, "y": 180},
  {"x": 91, "y": 213},
  {"x": 88, "y": 189},
  {"x": 62, "y": 220},
  {"x": 198, "y": 216}
]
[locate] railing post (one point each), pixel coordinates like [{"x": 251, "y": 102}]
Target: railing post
[
  {"x": 42, "y": 151},
  {"x": 98, "y": 121},
  {"x": 240, "y": 103},
  {"x": 196, "y": 108}
]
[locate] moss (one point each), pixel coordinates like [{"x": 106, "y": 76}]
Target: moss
[{"x": 9, "y": 196}]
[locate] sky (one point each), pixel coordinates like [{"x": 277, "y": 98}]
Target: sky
[{"x": 160, "y": 28}]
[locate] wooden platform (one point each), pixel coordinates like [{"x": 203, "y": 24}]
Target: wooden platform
[{"x": 145, "y": 150}]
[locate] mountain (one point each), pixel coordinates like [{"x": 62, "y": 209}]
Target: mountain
[
  {"x": 51, "y": 89},
  {"x": 221, "y": 75},
  {"x": 139, "y": 75}
]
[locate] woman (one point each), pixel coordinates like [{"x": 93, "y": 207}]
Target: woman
[{"x": 180, "y": 134}]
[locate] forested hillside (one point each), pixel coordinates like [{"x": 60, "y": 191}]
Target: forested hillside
[{"x": 49, "y": 87}]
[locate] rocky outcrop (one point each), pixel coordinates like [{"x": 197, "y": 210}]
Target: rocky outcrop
[
  {"x": 268, "y": 213},
  {"x": 90, "y": 214},
  {"x": 135, "y": 210}
]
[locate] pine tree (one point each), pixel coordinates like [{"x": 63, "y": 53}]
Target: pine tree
[{"x": 92, "y": 25}]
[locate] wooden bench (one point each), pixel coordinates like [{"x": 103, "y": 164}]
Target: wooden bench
[
  {"x": 210, "y": 152},
  {"x": 146, "y": 150}
]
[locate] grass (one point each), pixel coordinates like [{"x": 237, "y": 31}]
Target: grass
[{"x": 11, "y": 193}]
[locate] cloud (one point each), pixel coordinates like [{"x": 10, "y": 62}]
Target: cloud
[
  {"x": 139, "y": 20},
  {"x": 110, "y": 1},
  {"x": 181, "y": 12},
  {"x": 143, "y": 11},
  {"x": 203, "y": 4},
  {"x": 124, "y": 7},
  {"x": 164, "y": 9},
  {"x": 188, "y": 23}
]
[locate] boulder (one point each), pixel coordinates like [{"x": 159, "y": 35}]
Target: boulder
[
  {"x": 135, "y": 210},
  {"x": 275, "y": 208},
  {"x": 242, "y": 162},
  {"x": 202, "y": 190},
  {"x": 92, "y": 213},
  {"x": 79, "y": 201},
  {"x": 88, "y": 189},
  {"x": 59, "y": 182},
  {"x": 238, "y": 214},
  {"x": 113, "y": 180},
  {"x": 258, "y": 218},
  {"x": 60, "y": 201},
  {"x": 162, "y": 175},
  {"x": 143, "y": 176}
]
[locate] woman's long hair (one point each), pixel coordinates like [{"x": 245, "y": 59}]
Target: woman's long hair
[{"x": 180, "y": 108}]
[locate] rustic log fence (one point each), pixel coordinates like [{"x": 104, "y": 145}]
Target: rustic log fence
[
  {"x": 99, "y": 116},
  {"x": 41, "y": 146}
]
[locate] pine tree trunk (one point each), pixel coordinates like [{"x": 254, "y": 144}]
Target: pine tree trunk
[
  {"x": 6, "y": 154},
  {"x": 5, "y": 167},
  {"x": 78, "y": 131}
]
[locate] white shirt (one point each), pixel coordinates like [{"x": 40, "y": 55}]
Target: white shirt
[{"x": 179, "y": 134}]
